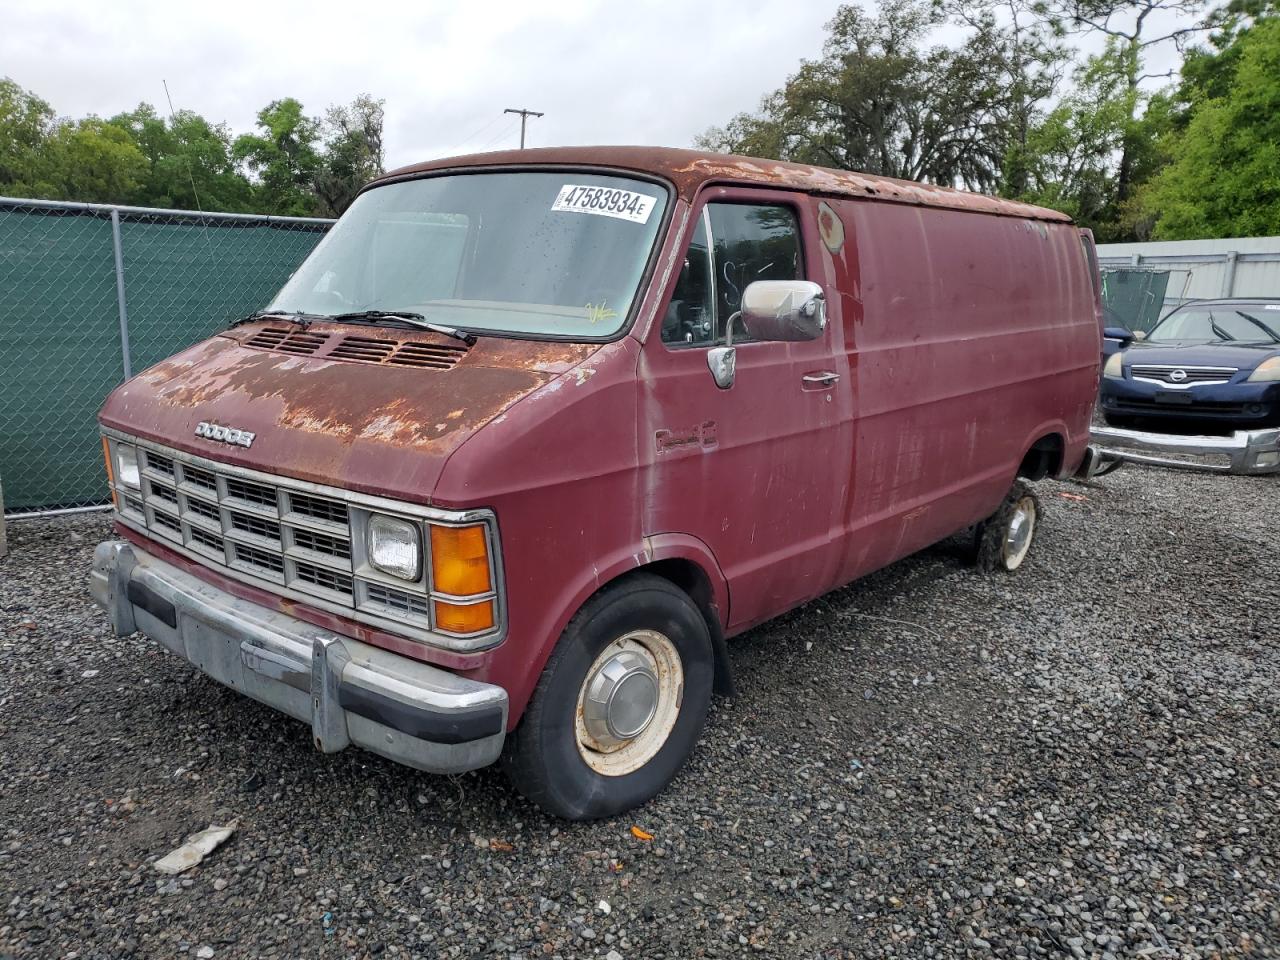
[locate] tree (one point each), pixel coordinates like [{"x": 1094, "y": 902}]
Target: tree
[
  {"x": 352, "y": 153},
  {"x": 26, "y": 123},
  {"x": 1031, "y": 60},
  {"x": 190, "y": 164},
  {"x": 1128, "y": 27},
  {"x": 883, "y": 102},
  {"x": 1224, "y": 176},
  {"x": 1070, "y": 154},
  {"x": 283, "y": 158},
  {"x": 92, "y": 161}
]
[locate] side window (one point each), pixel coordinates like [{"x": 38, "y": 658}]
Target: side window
[
  {"x": 745, "y": 243},
  {"x": 751, "y": 242},
  {"x": 690, "y": 315}
]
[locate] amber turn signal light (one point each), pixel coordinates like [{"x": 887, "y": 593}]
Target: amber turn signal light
[
  {"x": 460, "y": 562},
  {"x": 111, "y": 474},
  {"x": 464, "y": 617}
]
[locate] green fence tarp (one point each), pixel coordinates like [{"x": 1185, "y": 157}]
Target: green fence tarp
[{"x": 60, "y": 351}]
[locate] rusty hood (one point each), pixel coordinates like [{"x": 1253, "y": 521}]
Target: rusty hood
[{"x": 375, "y": 410}]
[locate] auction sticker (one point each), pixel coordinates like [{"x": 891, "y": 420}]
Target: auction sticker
[{"x": 605, "y": 202}]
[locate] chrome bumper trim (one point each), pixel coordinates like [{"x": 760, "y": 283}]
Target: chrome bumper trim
[
  {"x": 348, "y": 691},
  {"x": 1236, "y": 454}
]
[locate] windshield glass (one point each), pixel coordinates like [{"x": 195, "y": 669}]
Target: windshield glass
[
  {"x": 1246, "y": 322},
  {"x": 556, "y": 254}
]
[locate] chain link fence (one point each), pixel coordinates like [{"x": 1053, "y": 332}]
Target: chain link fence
[{"x": 91, "y": 294}]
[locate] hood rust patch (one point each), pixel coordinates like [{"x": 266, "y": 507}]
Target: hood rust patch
[{"x": 400, "y": 406}]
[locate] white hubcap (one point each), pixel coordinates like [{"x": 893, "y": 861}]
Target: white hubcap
[
  {"x": 629, "y": 703},
  {"x": 1017, "y": 540}
]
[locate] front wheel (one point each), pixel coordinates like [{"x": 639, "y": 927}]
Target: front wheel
[
  {"x": 1002, "y": 541},
  {"x": 620, "y": 704}
]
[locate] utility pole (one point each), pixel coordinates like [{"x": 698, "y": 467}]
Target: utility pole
[{"x": 524, "y": 118}]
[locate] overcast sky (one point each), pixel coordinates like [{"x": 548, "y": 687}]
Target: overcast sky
[
  {"x": 644, "y": 72},
  {"x": 655, "y": 72}
]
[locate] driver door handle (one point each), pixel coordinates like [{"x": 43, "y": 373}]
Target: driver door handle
[{"x": 822, "y": 378}]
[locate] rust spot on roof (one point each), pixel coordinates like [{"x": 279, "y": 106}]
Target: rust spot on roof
[{"x": 689, "y": 170}]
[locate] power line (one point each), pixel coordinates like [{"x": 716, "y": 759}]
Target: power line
[
  {"x": 501, "y": 134},
  {"x": 464, "y": 142},
  {"x": 524, "y": 118}
]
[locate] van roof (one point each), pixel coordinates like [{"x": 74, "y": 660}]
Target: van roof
[{"x": 690, "y": 169}]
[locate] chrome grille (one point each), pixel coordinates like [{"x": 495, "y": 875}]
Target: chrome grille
[
  {"x": 397, "y": 600},
  {"x": 299, "y": 539},
  {"x": 330, "y": 511},
  {"x": 1169, "y": 374}
]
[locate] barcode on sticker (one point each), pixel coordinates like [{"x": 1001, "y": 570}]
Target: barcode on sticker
[{"x": 604, "y": 202}]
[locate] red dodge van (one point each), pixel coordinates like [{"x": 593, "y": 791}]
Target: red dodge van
[{"x": 530, "y": 434}]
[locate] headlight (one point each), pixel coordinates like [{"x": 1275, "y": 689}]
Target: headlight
[
  {"x": 395, "y": 547},
  {"x": 126, "y": 465},
  {"x": 1115, "y": 367},
  {"x": 1268, "y": 371}
]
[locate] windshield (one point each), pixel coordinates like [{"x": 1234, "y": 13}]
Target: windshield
[
  {"x": 555, "y": 254},
  {"x": 1245, "y": 322}
]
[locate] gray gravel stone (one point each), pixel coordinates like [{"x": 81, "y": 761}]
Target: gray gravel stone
[{"x": 1080, "y": 759}]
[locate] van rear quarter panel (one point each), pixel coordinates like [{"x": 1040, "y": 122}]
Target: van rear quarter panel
[{"x": 969, "y": 337}]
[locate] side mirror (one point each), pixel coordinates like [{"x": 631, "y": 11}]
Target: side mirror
[
  {"x": 784, "y": 310},
  {"x": 1122, "y": 334}
]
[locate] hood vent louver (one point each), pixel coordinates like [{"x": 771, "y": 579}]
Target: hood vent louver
[
  {"x": 410, "y": 353},
  {"x": 362, "y": 348},
  {"x": 301, "y": 342},
  {"x": 400, "y": 353}
]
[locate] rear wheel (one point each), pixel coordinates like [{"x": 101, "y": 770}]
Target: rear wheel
[
  {"x": 1003, "y": 540},
  {"x": 620, "y": 703}
]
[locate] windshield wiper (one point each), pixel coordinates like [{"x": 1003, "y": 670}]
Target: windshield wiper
[
  {"x": 407, "y": 317},
  {"x": 1221, "y": 334},
  {"x": 1271, "y": 334}
]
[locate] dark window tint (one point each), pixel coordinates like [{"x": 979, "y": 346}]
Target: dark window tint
[
  {"x": 751, "y": 242},
  {"x": 690, "y": 315}
]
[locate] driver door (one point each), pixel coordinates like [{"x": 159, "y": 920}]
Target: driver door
[{"x": 753, "y": 470}]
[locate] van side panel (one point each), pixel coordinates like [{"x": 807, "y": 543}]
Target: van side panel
[{"x": 970, "y": 337}]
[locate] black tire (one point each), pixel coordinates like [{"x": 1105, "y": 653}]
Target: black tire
[
  {"x": 989, "y": 553},
  {"x": 541, "y": 757}
]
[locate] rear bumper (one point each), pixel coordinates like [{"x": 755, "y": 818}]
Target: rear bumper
[
  {"x": 348, "y": 691},
  {"x": 1243, "y": 452}
]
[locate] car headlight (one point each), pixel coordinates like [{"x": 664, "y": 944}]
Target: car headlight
[
  {"x": 1268, "y": 371},
  {"x": 125, "y": 463},
  {"x": 1114, "y": 368},
  {"x": 395, "y": 547}
]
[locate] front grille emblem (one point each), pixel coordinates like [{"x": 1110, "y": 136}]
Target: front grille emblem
[
  {"x": 213, "y": 431},
  {"x": 1177, "y": 376}
]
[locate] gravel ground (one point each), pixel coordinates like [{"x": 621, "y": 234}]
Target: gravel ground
[{"x": 1081, "y": 759}]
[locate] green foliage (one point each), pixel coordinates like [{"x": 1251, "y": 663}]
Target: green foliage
[
  {"x": 186, "y": 162},
  {"x": 1071, "y": 151},
  {"x": 1223, "y": 178},
  {"x": 881, "y": 100},
  {"x": 189, "y": 162},
  {"x": 25, "y": 124},
  {"x": 283, "y": 155},
  {"x": 352, "y": 153},
  {"x": 91, "y": 160}
]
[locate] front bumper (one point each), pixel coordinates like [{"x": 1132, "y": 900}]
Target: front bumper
[
  {"x": 1243, "y": 406},
  {"x": 1243, "y": 452},
  {"x": 348, "y": 691}
]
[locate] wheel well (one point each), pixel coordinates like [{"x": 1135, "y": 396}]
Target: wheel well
[
  {"x": 1044, "y": 459},
  {"x": 693, "y": 580}
]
